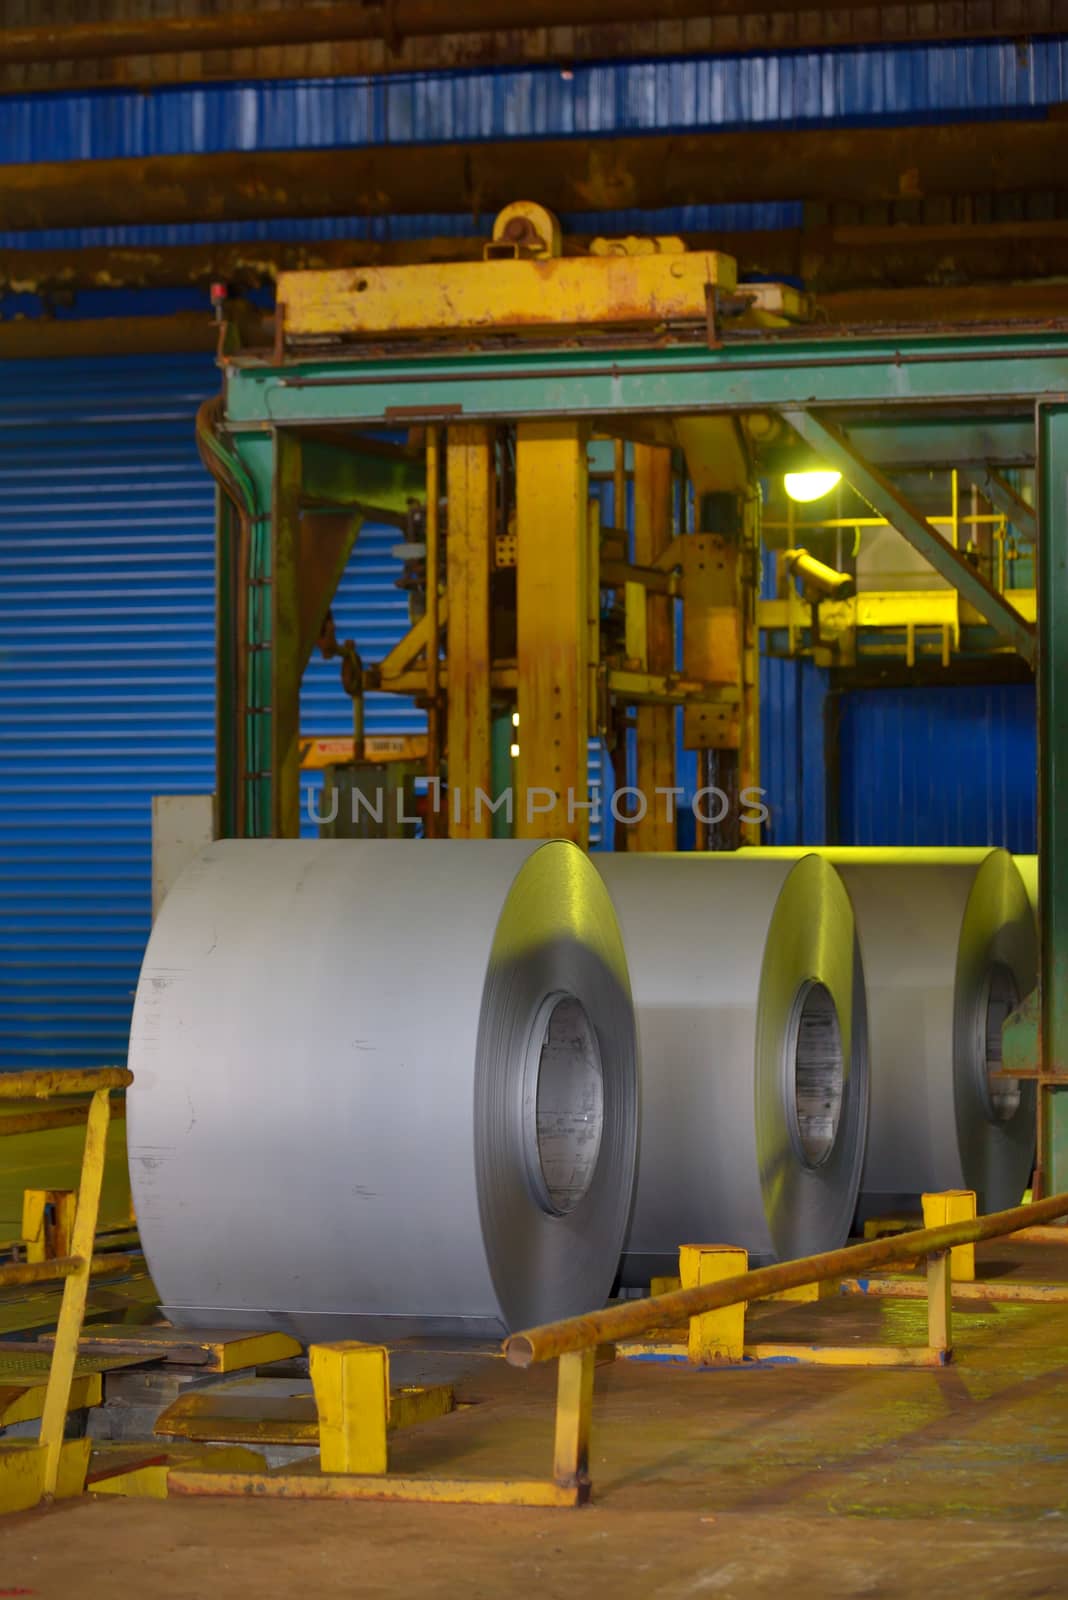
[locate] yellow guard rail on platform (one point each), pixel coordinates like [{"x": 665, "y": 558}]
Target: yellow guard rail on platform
[
  {"x": 50, "y": 1465},
  {"x": 634, "y": 1317},
  {"x": 354, "y": 1417}
]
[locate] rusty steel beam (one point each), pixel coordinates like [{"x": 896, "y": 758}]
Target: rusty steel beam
[
  {"x": 417, "y": 35},
  {"x": 336, "y": 23},
  {"x": 985, "y": 303},
  {"x": 840, "y": 164},
  {"x": 250, "y": 265},
  {"x": 910, "y": 255},
  {"x": 45, "y": 337},
  {"x": 827, "y": 259},
  {"x": 191, "y": 332}
]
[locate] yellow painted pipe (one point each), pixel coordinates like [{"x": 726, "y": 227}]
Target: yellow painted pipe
[
  {"x": 633, "y": 1317},
  {"x": 42, "y": 1085}
]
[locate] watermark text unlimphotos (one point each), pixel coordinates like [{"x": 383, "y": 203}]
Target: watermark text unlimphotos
[{"x": 627, "y": 805}]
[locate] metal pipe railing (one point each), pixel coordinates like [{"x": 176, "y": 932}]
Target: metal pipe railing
[
  {"x": 632, "y": 1318},
  {"x": 18, "y": 1274},
  {"x": 44, "y": 1083}
]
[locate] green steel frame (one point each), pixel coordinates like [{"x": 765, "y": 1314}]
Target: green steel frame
[
  {"x": 1052, "y": 678},
  {"x": 1001, "y": 377},
  {"x": 758, "y": 374}
]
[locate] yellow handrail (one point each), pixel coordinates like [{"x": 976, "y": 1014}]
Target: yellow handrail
[
  {"x": 75, "y": 1268},
  {"x": 632, "y": 1318},
  {"x": 43, "y": 1083},
  {"x": 18, "y": 1274}
]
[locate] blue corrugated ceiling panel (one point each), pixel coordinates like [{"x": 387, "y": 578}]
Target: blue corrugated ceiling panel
[
  {"x": 107, "y": 678},
  {"x": 633, "y": 96},
  {"x": 804, "y": 87},
  {"x": 955, "y": 765}
]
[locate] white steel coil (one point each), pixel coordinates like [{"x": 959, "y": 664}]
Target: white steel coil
[
  {"x": 751, "y": 1015},
  {"x": 950, "y": 948},
  {"x": 383, "y": 1088}
]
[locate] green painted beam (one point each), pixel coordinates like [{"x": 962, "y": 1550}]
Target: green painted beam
[
  {"x": 886, "y": 500},
  {"x": 977, "y": 440},
  {"x": 766, "y": 372},
  {"x": 1053, "y": 783},
  {"x": 367, "y": 480}
]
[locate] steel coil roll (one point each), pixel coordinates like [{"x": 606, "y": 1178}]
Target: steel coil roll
[
  {"x": 950, "y": 948},
  {"x": 751, "y": 1017},
  {"x": 383, "y": 1088}
]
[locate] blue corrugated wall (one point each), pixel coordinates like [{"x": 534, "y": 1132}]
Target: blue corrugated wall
[
  {"x": 954, "y": 765},
  {"x": 106, "y": 682},
  {"x": 106, "y": 517},
  {"x": 107, "y": 686}
]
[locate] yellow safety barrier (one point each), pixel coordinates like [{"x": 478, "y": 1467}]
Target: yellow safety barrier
[
  {"x": 50, "y": 1465},
  {"x": 632, "y": 1318},
  {"x": 351, "y": 1381}
]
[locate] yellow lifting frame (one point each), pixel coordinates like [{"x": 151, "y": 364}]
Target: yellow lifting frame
[{"x": 452, "y": 297}]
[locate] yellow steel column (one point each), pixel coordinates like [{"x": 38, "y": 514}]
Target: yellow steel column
[
  {"x": 469, "y": 548},
  {"x": 749, "y": 725},
  {"x": 656, "y": 724},
  {"x": 552, "y": 631}
]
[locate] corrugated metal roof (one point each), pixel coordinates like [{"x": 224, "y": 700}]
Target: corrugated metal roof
[
  {"x": 930, "y": 81},
  {"x": 640, "y": 96}
]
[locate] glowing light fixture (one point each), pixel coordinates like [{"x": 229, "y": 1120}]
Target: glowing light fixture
[
  {"x": 805, "y": 486},
  {"x": 514, "y": 751}
]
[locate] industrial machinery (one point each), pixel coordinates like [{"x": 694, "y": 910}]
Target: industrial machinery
[
  {"x": 577, "y": 451},
  {"x": 550, "y": 616}
]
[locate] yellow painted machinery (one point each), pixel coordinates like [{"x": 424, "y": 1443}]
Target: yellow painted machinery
[
  {"x": 574, "y": 572},
  {"x": 537, "y": 622}
]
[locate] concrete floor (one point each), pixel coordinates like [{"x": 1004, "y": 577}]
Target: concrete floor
[{"x": 741, "y": 1482}]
